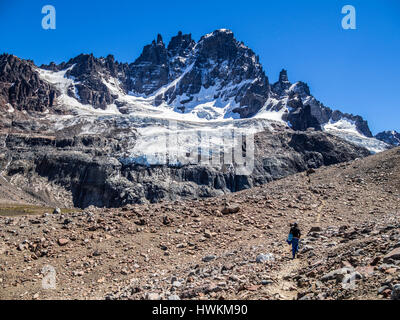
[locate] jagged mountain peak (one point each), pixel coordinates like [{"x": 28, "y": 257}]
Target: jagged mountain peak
[
  {"x": 189, "y": 71},
  {"x": 180, "y": 44},
  {"x": 159, "y": 40},
  {"x": 283, "y": 76},
  {"x": 8, "y": 57},
  {"x": 301, "y": 88},
  {"x": 391, "y": 137},
  {"x": 221, "y": 45},
  {"x": 283, "y": 84},
  {"x": 216, "y": 78},
  {"x": 219, "y": 33},
  {"x": 21, "y": 87},
  {"x": 11, "y": 66}
]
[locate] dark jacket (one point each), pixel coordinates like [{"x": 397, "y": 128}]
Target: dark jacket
[{"x": 295, "y": 231}]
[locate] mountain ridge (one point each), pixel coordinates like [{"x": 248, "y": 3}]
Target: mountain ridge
[
  {"x": 98, "y": 127},
  {"x": 389, "y": 137},
  {"x": 216, "y": 77}
]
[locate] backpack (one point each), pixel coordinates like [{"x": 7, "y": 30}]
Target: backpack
[{"x": 290, "y": 238}]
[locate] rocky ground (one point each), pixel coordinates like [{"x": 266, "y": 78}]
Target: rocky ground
[{"x": 198, "y": 249}]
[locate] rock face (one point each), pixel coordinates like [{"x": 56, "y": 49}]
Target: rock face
[
  {"x": 151, "y": 70},
  {"x": 88, "y": 74},
  {"x": 90, "y": 167},
  {"x": 389, "y": 137},
  {"x": 21, "y": 87},
  {"x": 303, "y": 110},
  {"x": 218, "y": 76}
]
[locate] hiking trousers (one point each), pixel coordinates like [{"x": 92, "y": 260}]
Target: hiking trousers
[{"x": 295, "y": 246}]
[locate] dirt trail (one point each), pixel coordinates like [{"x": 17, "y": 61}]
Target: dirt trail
[
  {"x": 284, "y": 286},
  {"x": 319, "y": 210}
]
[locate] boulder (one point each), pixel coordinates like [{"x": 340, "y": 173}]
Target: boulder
[
  {"x": 395, "y": 292},
  {"x": 307, "y": 248},
  {"x": 315, "y": 229},
  {"x": 394, "y": 254},
  {"x": 152, "y": 296},
  {"x": 62, "y": 241},
  {"x": 337, "y": 274},
  {"x": 208, "y": 258},
  {"x": 230, "y": 210},
  {"x": 261, "y": 258}
]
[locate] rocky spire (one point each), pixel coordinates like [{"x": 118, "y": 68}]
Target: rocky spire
[
  {"x": 159, "y": 39},
  {"x": 283, "y": 77},
  {"x": 150, "y": 71},
  {"x": 390, "y": 137},
  {"x": 180, "y": 43},
  {"x": 282, "y": 84}
]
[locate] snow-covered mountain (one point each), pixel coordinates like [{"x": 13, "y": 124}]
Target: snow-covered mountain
[
  {"x": 301, "y": 111},
  {"x": 185, "y": 119},
  {"x": 389, "y": 137},
  {"x": 215, "y": 79}
]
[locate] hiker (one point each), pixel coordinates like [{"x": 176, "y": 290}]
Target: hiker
[{"x": 293, "y": 238}]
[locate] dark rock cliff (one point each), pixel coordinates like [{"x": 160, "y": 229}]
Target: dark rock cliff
[{"x": 95, "y": 177}]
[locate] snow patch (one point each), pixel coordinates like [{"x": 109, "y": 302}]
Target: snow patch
[
  {"x": 10, "y": 108},
  {"x": 63, "y": 83},
  {"x": 347, "y": 130}
]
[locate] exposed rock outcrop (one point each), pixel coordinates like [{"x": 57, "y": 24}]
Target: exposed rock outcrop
[
  {"x": 389, "y": 137},
  {"x": 90, "y": 167},
  {"x": 304, "y": 111},
  {"x": 21, "y": 87}
]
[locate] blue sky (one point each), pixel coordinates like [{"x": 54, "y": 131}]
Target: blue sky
[{"x": 356, "y": 71}]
